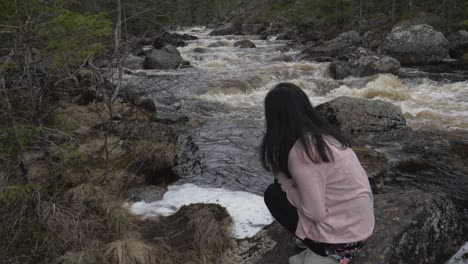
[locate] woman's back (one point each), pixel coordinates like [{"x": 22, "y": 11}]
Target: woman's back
[{"x": 346, "y": 213}]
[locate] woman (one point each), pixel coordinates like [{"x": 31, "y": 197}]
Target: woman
[{"x": 321, "y": 193}]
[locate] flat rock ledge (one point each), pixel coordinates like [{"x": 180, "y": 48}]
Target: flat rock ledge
[{"x": 411, "y": 228}]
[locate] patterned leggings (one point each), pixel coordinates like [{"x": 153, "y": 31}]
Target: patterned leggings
[{"x": 286, "y": 214}]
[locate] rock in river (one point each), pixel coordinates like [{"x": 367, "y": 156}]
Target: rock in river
[
  {"x": 362, "y": 62},
  {"x": 364, "y": 120},
  {"x": 244, "y": 44},
  {"x": 419, "y": 44},
  {"x": 166, "y": 58}
]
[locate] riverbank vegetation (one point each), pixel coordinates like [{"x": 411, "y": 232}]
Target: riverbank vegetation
[{"x": 71, "y": 146}]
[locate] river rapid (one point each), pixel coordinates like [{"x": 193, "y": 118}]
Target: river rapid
[{"x": 221, "y": 98}]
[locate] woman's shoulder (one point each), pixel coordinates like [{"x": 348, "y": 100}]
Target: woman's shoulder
[{"x": 336, "y": 148}]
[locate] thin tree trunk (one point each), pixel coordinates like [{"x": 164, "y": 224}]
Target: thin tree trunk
[
  {"x": 360, "y": 9},
  {"x": 393, "y": 11},
  {"x": 360, "y": 15}
]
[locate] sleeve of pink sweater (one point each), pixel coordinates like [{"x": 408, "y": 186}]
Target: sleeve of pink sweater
[{"x": 306, "y": 189}]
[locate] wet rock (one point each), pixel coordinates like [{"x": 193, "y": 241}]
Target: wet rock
[
  {"x": 458, "y": 43},
  {"x": 185, "y": 64},
  {"x": 271, "y": 245},
  {"x": 171, "y": 49},
  {"x": 410, "y": 228},
  {"x": 133, "y": 62},
  {"x": 376, "y": 165},
  {"x": 252, "y": 29},
  {"x": 223, "y": 153},
  {"x": 364, "y": 120},
  {"x": 217, "y": 44},
  {"x": 419, "y": 44},
  {"x": 201, "y": 50},
  {"x": 161, "y": 59},
  {"x": 432, "y": 161},
  {"x": 245, "y": 44},
  {"x": 332, "y": 48},
  {"x": 362, "y": 62},
  {"x": 226, "y": 29},
  {"x": 167, "y": 38}
]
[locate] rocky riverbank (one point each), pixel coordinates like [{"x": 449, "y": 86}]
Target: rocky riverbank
[{"x": 415, "y": 174}]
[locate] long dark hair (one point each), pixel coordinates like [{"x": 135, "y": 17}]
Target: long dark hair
[{"x": 291, "y": 117}]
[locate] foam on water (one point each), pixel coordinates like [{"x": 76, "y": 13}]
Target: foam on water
[
  {"x": 255, "y": 98},
  {"x": 424, "y": 104},
  {"x": 248, "y": 210},
  {"x": 461, "y": 257}
]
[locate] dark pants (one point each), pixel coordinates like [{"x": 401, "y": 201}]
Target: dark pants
[{"x": 286, "y": 214}]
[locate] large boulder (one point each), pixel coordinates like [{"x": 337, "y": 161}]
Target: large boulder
[
  {"x": 412, "y": 227},
  {"x": 163, "y": 59},
  {"x": 364, "y": 120},
  {"x": 226, "y": 29},
  {"x": 245, "y": 44},
  {"x": 362, "y": 62},
  {"x": 419, "y": 44},
  {"x": 332, "y": 48},
  {"x": 458, "y": 43}
]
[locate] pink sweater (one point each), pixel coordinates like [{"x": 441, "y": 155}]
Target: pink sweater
[{"x": 334, "y": 200}]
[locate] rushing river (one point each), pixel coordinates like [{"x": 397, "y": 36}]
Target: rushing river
[{"x": 222, "y": 98}]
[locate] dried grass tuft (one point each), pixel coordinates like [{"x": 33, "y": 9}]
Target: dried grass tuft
[
  {"x": 154, "y": 155},
  {"x": 206, "y": 226},
  {"x": 212, "y": 237},
  {"x": 134, "y": 251}
]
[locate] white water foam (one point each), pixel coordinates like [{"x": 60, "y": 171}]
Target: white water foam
[
  {"x": 461, "y": 257},
  {"x": 248, "y": 210},
  {"x": 427, "y": 104}
]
